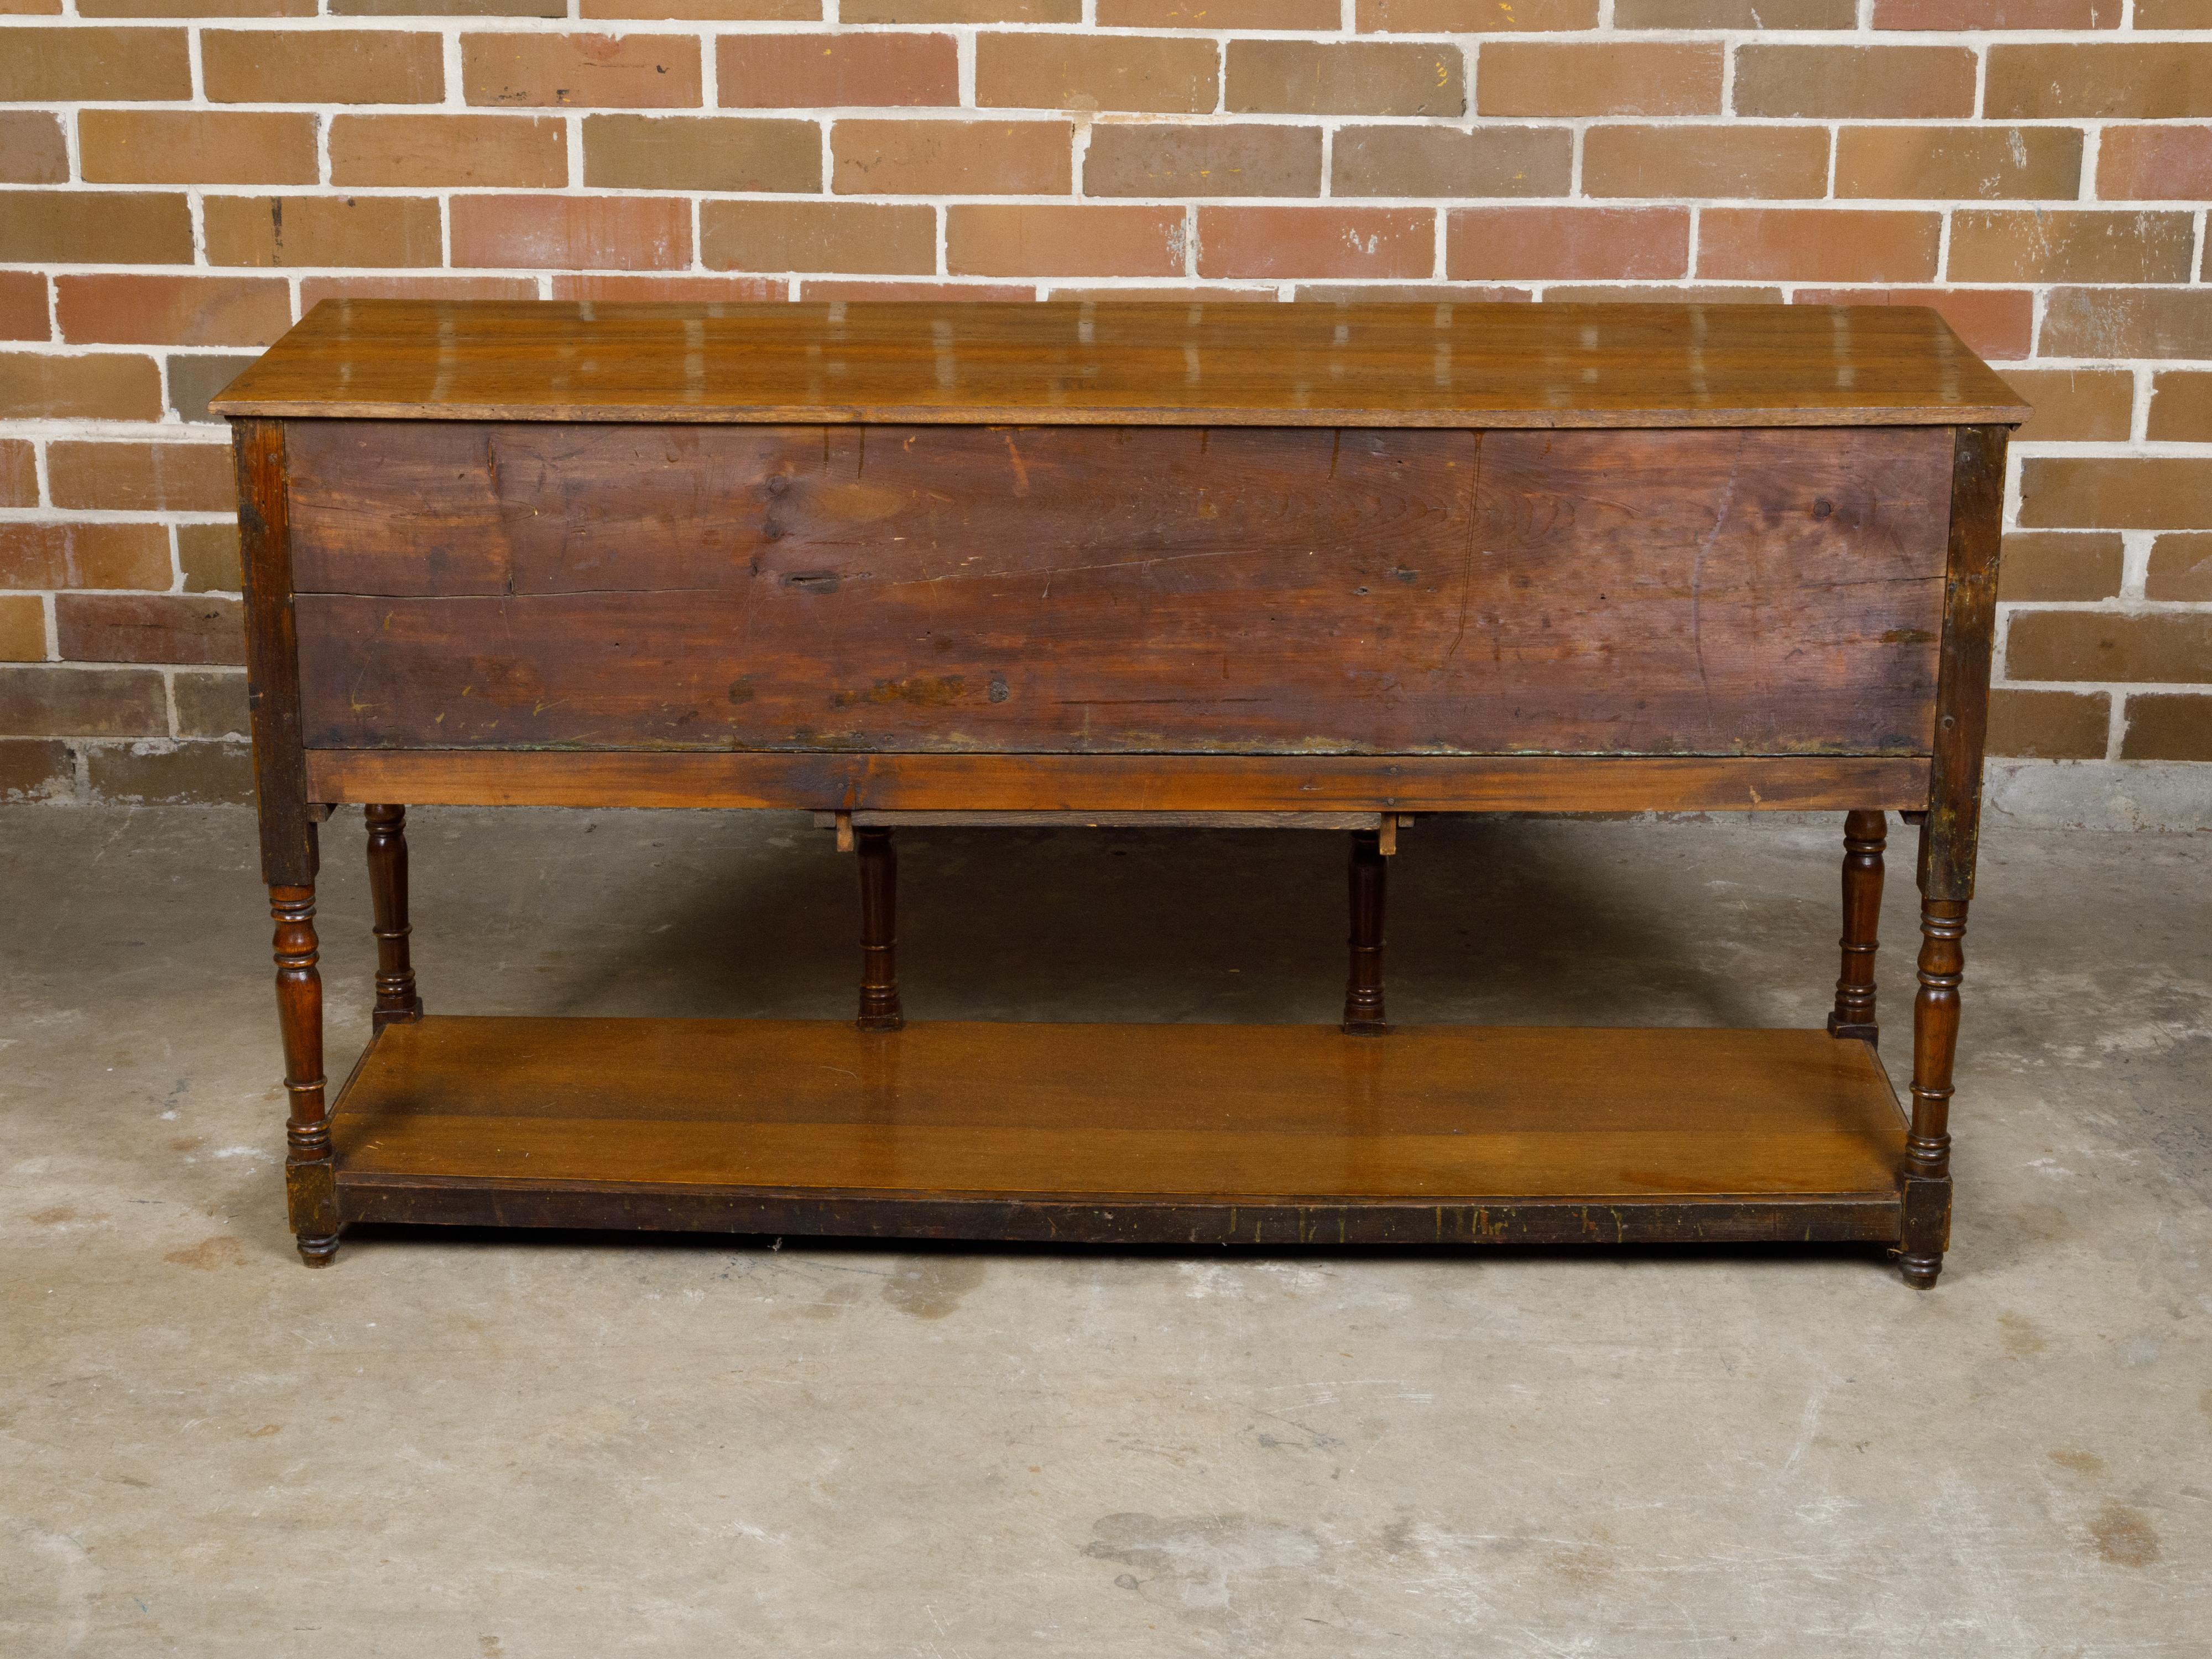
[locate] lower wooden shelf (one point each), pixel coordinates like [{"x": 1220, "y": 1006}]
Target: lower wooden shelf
[{"x": 1122, "y": 1133}]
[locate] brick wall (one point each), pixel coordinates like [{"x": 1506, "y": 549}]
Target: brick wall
[{"x": 179, "y": 179}]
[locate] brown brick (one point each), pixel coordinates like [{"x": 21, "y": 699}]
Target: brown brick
[
  {"x": 150, "y": 628},
  {"x": 207, "y": 554},
  {"x": 1419, "y": 293},
  {"x": 589, "y": 71},
  {"x": 1540, "y": 78},
  {"x": 2044, "y": 244},
  {"x": 1319, "y": 15},
  {"x": 1988, "y": 163},
  {"x": 196, "y": 377},
  {"x": 95, "y": 228},
  {"x": 1735, "y": 14},
  {"x": 101, "y": 386},
  {"x": 718, "y": 153},
  {"x": 321, "y": 230},
  {"x": 75, "y": 65},
  {"x": 2180, "y": 568},
  {"x": 2075, "y": 406},
  {"x": 23, "y": 306},
  {"x": 141, "y": 477},
  {"x": 2174, "y": 14},
  {"x": 1955, "y": 15},
  {"x": 2058, "y": 564},
  {"x": 1005, "y": 240},
  {"x": 1846, "y": 245},
  {"x": 1166, "y": 74},
  {"x": 197, "y": 147},
  {"x": 869, "y": 237},
  {"x": 1363, "y": 243},
  {"x": 1318, "y": 78},
  {"x": 1894, "y": 81},
  {"x": 1411, "y": 160},
  {"x": 700, "y": 290},
  {"x": 84, "y": 555},
  {"x": 172, "y": 775},
  {"x": 2154, "y": 164},
  {"x": 2091, "y": 322},
  {"x": 836, "y": 71},
  {"x": 2139, "y": 648},
  {"x": 2169, "y": 80},
  {"x": 1240, "y": 158},
  {"x": 76, "y": 703},
  {"x": 449, "y": 7},
  {"x": 2181, "y": 407},
  {"x": 1468, "y": 16},
  {"x": 1538, "y": 242},
  {"x": 1996, "y": 322},
  {"x": 19, "y": 473},
  {"x": 23, "y": 627},
  {"x": 31, "y": 149},
  {"x": 211, "y": 704},
  {"x": 196, "y": 8},
  {"x": 2121, "y": 492},
  {"x": 433, "y": 152},
  {"x": 953, "y": 158},
  {"x": 30, "y": 8},
  {"x": 315, "y": 289},
  {"x": 1733, "y": 161},
  {"x": 961, "y": 11},
  {"x": 1668, "y": 293},
  {"x": 846, "y": 287},
  {"x": 709, "y": 11},
  {"x": 2049, "y": 725},
  {"x": 2167, "y": 727},
  {"x": 34, "y": 769},
  {"x": 573, "y": 232},
  {"x": 322, "y": 66},
  {"x": 149, "y": 310},
  {"x": 1124, "y": 293}
]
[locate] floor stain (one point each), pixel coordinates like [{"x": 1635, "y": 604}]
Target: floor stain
[
  {"x": 931, "y": 1287},
  {"x": 2080, "y": 1462},
  {"x": 221, "y": 1251},
  {"x": 2123, "y": 1535},
  {"x": 2020, "y": 1336},
  {"x": 55, "y": 1217}
]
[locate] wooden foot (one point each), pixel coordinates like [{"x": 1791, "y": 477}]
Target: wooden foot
[
  {"x": 1865, "y": 835},
  {"x": 1363, "y": 992},
  {"x": 387, "y": 890},
  {"x": 310, "y": 1176},
  {"x": 1925, "y": 1180},
  {"x": 879, "y": 996}
]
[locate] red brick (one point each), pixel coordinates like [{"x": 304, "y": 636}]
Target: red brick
[
  {"x": 1847, "y": 245},
  {"x": 953, "y": 158},
  {"x": 2119, "y": 492},
  {"x": 31, "y": 149},
  {"x": 1732, "y": 160},
  {"x": 1996, "y": 322},
  {"x": 147, "y": 310},
  {"x": 279, "y": 231},
  {"x": 2059, "y": 565},
  {"x": 2180, "y": 568},
  {"x": 322, "y": 66},
  {"x": 1404, "y": 160},
  {"x": 688, "y": 290},
  {"x": 1317, "y": 77},
  {"x": 36, "y": 769},
  {"x": 19, "y": 473},
  {"x": 2181, "y": 407},
  {"x": 1958, "y": 16},
  {"x": 1361, "y": 243},
  {"x": 2168, "y": 80},
  {"x": 844, "y": 287},
  {"x": 141, "y": 477},
  {"x": 437, "y": 152},
  {"x": 1893, "y": 81},
  {"x": 2094, "y": 322},
  {"x": 1213, "y": 158},
  {"x": 588, "y": 71},
  {"x": 1541, "y": 77},
  {"x": 1164, "y": 74},
  {"x": 2047, "y": 245},
  {"x": 150, "y": 628},
  {"x": 2075, "y": 406},
  {"x": 871, "y": 237},
  {"x": 1989, "y": 163},
  {"x": 1318, "y": 15},
  {"x": 2154, "y": 164},
  {"x": 836, "y": 71},
  {"x": 961, "y": 11},
  {"x": 313, "y": 290},
  {"x": 1466, "y": 16},
  {"x": 23, "y": 306},
  {"x": 708, "y": 11},
  {"x": 82, "y": 386},
  {"x": 76, "y": 702},
  {"x": 2137, "y": 648},
  {"x": 84, "y": 555},
  {"x": 2166, "y": 726},
  {"x": 996, "y": 240},
  {"x": 1417, "y": 293},
  {"x": 1735, "y": 14},
  {"x": 95, "y": 228},
  {"x": 572, "y": 232},
  {"x": 2049, "y": 725},
  {"x": 710, "y": 153},
  {"x": 197, "y": 147},
  {"x": 1126, "y": 293},
  {"x": 75, "y": 64},
  {"x": 1534, "y": 243},
  {"x": 1668, "y": 293}
]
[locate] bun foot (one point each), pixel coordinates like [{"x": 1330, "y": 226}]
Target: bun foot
[
  {"x": 1920, "y": 1271},
  {"x": 318, "y": 1252}
]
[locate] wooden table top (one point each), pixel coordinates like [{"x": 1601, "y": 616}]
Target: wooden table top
[{"x": 1138, "y": 363}]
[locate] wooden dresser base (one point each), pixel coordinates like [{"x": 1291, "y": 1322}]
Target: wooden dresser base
[{"x": 1208, "y": 1135}]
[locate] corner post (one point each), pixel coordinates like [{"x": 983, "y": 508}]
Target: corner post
[
  {"x": 396, "y": 999},
  {"x": 1865, "y": 835},
  {"x": 1370, "y": 883},
  {"x": 879, "y": 995}
]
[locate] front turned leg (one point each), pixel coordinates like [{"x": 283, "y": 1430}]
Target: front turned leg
[
  {"x": 310, "y": 1176},
  {"x": 879, "y": 996},
  {"x": 1363, "y": 991},
  {"x": 1926, "y": 1177},
  {"x": 396, "y": 998},
  {"x": 1865, "y": 834}
]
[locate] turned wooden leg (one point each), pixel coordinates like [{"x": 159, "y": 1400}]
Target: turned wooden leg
[
  {"x": 387, "y": 892},
  {"x": 1926, "y": 1178},
  {"x": 879, "y": 996},
  {"x": 1363, "y": 991},
  {"x": 310, "y": 1178},
  {"x": 1864, "y": 836}
]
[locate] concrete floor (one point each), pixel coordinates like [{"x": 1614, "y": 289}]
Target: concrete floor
[{"x": 522, "y": 1446}]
